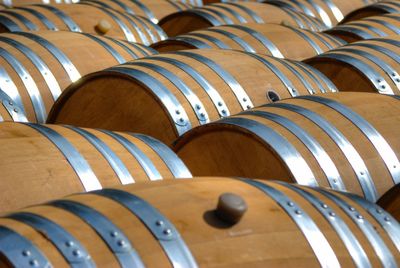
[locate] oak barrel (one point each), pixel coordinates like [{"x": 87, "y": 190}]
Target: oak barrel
[
  {"x": 9, "y": 111},
  {"x": 346, "y": 141},
  {"x": 43, "y": 162},
  {"x": 15, "y": 3},
  {"x": 234, "y": 13},
  {"x": 81, "y": 18},
  {"x": 330, "y": 12},
  {"x": 276, "y": 40},
  {"x": 175, "y": 223},
  {"x": 368, "y": 28},
  {"x": 376, "y": 9},
  {"x": 369, "y": 66},
  {"x": 38, "y": 66},
  {"x": 154, "y": 10},
  {"x": 165, "y": 95}
]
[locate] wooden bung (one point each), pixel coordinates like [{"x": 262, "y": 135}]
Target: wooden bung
[
  {"x": 173, "y": 223},
  {"x": 80, "y": 18},
  {"x": 166, "y": 95},
  {"x": 234, "y": 13},
  {"x": 368, "y": 28},
  {"x": 375, "y": 9},
  {"x": 369, "y": 66},
  {"x": 40, "y": 65},
  {"x": 281, "y": 41},
  {"x": 345, "y": 141},
  {"x": 42, "y": 162}
]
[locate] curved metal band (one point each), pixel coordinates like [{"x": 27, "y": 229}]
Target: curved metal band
[
  {"x": 316, "y": 239},
  {"x": 161, "y": 228},
  {"x": 378, "y": 141},
  {"x": 350, "y": 241},
  {"x": 169, "y": 101},
  {"x": 390, "y": 53},
  {"x": 243, "y": 44},
  {"x": 221, "y": 15},
  {"x": 19, "y": 251},
  {"x": 207, "y": 16},
  {"x": 146, "y": 11},
  {"x": 7, "y": 85},
  {"x": 72, "y": 250},
  {"x": 387, "y": 221},
  {"x": 49, "y": 24},
  {"x": 209, "y": 38},
  {"x": 378, "y": 81},
  {"x": 72, "y": 26},
  {"x": 379, "y": 246},
  {"x": 248, "y": 11},
  {"x": 9, "y": 24},
  {"x": 301, "y": 7},
  {"x": 75, "y": 159},
  {"x": 351, "y": 154},
  {"x": 143, "y": 22},
  {"x": 113, "y": 236},
  {"x": 114, "y": 161},
  {"x": 310, "y": 73},
  {"x": 197, "y": 106},
  {"x": 29, "y": 83},
  {"x": 27, "y": 23},
  {"x": 391, "y": 72},
  {"x": 192, "y": 41},
  {"x": 314, "y": 24},
  {"x": 320, "y": 155},
  {"x": 109, "y": 48},
  {"x": 15, "y": 112},
  {"x": 314, "y": 45},
  {"x": 283, "y": 148},
  {"x": 145, "y": 50},
  {"x": 68, "y": 66},
  {"x": 44, "y": 70},
  {"x": 127, "y": 32},
  {"x": 231, "y": 11},
  {"x": 241, "y": 95},
  {"x": 147, "y": 165},
  {"x": 353, "y": 30},
  {"x": 171, "y": 160},
  {"x": 126, "y": 48},
  {"x": 176, "y": 4},
  {"x": 377, "y": 31},
  {"x": 261, "y": 38},
  {"x": 286, "y": 81},
  {"x": 123, "y": 6},
  {"x": 388, "y": 25},
  {"x": 214, "y": 95},
  {"x": 335, "y": 10},
  {"x": 330, "y": 85},
  {"x": 323, "y": 15}
]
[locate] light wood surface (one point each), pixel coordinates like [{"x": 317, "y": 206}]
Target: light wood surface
[
  {"x": 118, "y": 99},
  {"x": 36, "y": 168},
  {"x": 266, "y": 236},
  {"x": 227, "y": 149}
]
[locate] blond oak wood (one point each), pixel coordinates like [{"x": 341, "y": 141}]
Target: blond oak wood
[
  {"x": 376, "y": 9},
  {"x": 29, "y": 153},
  {"x": 380, "y": 56},
  {"x": 84, "y": 53},
  {"x": 265, "y": 236},
  {"x": 115, "y": 99},
  {"x": 285, "y": 39},
  {"x": 224, "y": 149},
  {"x": 86, "y": 17},
  {"x": 367, "y": 28},
  {"x": 199, "y": 18}
]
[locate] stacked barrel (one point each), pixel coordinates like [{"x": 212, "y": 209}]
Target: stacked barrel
[{"x": 201, "y": 133}]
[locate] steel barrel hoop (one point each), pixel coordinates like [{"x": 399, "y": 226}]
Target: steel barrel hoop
[
  {"x": 243, "y": 44},
  {"x": 14, "y": 111},
  {"x": 71, "y": 24}
]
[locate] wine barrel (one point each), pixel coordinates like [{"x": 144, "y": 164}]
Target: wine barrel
[
  {"x": 154, "y": 10},
  {"x": 234, "y": 13},
  {"x": 81, "y": 18},
  {"x": 189, "y": 223},
  {"x": 369, "y": 66},
  {"x": 37, "y": 66},
  {"x": 368, "y": 28},
  {"x": 346, "y": 141},
  {"x": 43, "y": 162},
  {"x": 376, "y": 9},
  {"x": 164, "y": 96},
  {"x": 15, "y": 3},
  {"x": 330, "y": 12},
  {"x": 272, "y": 39},
  {"x": 9, "y": 111}
]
